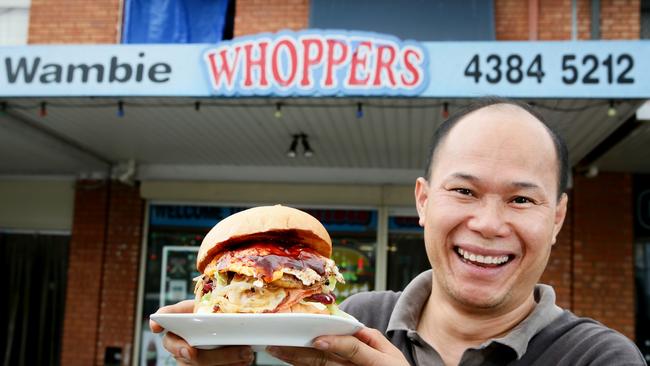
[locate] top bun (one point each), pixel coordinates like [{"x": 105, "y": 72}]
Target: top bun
[{"x": 265, "y": 222}]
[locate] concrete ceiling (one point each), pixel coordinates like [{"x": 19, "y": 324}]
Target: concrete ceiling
[{"x": 242, "y": 140}]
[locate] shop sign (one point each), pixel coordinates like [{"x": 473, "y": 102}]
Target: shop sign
[
  {"x": 404, "y": 224},
  {"x": 161, "y": 215},
  {"x": 317, "y": 63},
  {"x": 189, "y": 216}
]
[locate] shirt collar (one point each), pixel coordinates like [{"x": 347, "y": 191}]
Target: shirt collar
[
  {"x": 544, "y": 313},
  {"x": 408, "y": 309}
]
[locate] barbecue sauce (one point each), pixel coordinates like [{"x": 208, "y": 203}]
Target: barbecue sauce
[{"x": 296, "y": 257}]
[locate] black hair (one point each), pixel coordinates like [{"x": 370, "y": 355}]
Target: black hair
[{"x": 561, "y": 149}]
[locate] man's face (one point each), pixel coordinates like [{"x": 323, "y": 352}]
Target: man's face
[{"x": 489, "y": 210}]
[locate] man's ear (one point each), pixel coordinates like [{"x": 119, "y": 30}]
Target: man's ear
[
  {"x": 560, "y": 215},
  {"x": 421, "y": 197}
]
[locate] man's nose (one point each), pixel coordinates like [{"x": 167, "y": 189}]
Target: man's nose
[{"x": 489, "y": 220}]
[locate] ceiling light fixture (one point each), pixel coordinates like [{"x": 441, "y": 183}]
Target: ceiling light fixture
[
  {"x": 308, "y": 152},
  {"x": 120, "y": 109},
  {"x": 445, "y": 110},
  {"x": 292, "y": 152},
  {"x": 303, "y": 139},
  {"x": 278, "y": 110},
  {"x": 611, "y": 111},
  {"x": 43, "y": 112}
]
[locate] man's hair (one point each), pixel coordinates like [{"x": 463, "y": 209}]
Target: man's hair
[{"x": 560, "y": 146}]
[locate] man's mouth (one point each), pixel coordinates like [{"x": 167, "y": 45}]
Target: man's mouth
[{"x": 482, "y": 260}]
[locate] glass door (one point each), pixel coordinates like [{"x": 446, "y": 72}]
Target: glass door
[{"x": 407, "y": 256}]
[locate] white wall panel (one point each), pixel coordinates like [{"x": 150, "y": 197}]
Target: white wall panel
[{"x": 14, "y": 22}]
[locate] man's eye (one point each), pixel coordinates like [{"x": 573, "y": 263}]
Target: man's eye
[
  {"x": 463, "y": 191},
  {"x": 522, "y": 200}
]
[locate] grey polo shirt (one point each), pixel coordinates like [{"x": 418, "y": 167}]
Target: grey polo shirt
[{"x": 548, "y": 336}]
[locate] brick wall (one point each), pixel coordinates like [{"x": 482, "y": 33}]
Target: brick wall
[
  {"x": 103, "y": 272},
  {"x": 74, "y": 21},
  {"x": 558, "y": 272},
  {"x": 84, "y": 274},
  {"x": 120, "y": 275},
  {"x": 620, "y": 19},
  {"x": 511, "y": 20},
  {"x": 591, "y": 265},
  {"x": 257, "y": 16},
  {"x": 603, "y": 247}
]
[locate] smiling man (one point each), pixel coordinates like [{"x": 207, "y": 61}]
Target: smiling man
[
  {"x": 492, "y": 203},
  {"x": 491, "y": 207}
]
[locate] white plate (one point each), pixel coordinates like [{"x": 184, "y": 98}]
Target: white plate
[{"x": 283, "y": 329}]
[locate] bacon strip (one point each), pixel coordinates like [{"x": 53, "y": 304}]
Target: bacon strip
[{"x": 294, "y": 296}]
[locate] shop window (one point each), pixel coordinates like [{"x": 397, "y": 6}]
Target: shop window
[
  {"x": 421, "y": 20},
  {"x": 176, "y": 232},
  {"x": 407, "y": 256},
  {"x": 14, "y": 22},
  {"x": 177, "y": 21},
  {"x": 34, "y": 269}
]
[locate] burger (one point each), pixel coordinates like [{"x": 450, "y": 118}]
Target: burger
[{"x": 270, "y": 259}]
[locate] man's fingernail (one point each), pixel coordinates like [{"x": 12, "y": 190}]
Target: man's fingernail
[
  {"x": 321, "y": 345},
  {"x": 185, "y": 353}
]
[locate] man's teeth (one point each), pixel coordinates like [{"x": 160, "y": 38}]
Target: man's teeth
[{"x": 482, "y": 258}]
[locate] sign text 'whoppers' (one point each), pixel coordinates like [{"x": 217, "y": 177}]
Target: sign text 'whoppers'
[{"x": 317, "y": 63}]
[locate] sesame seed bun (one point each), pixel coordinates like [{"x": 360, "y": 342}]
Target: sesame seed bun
[{"x": 264, "y": 223}]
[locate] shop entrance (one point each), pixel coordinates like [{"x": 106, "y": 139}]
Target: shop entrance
[
  {"x": 407, "y": 256},
  {"x": 34, "y": 268}
]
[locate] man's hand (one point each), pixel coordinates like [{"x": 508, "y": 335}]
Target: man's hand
[
  {"x": 367, "y": 347},
  {"x": 187, "y": 355}
]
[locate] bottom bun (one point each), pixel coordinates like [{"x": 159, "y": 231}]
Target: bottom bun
[
  {"x": 296, "y": 308},
  {"x": 304, "y": 308}
]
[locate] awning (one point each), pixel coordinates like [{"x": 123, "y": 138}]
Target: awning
[{"x": 242, "y": 139}]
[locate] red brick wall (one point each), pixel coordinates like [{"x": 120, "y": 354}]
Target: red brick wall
[
  {"x": 620, "y": 19},
  {"x": 103, "y": 272},
  {"x": 75, "y": 21},
  {"x": 584, "y": 19},
  {"x": 603, "y": 245},
  {"x": 511, "y": 20},
  {"x": 84, "y": 274},
  {"x": 257, "y": 16},
  {"x": 120, "y": 279},
  {"x": 554, "y": 20},
  {"x": 558, "y": 272}
]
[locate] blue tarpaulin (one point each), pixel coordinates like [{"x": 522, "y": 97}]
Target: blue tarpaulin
[{"x": 174, "y": 21}]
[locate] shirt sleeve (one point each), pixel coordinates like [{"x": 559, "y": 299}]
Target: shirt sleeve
[
  {"x": 612, "y": 348},
  {"x": 373, "y": 308}
]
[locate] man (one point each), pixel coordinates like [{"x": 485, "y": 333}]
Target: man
[{"x": 492, "y": 203}]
